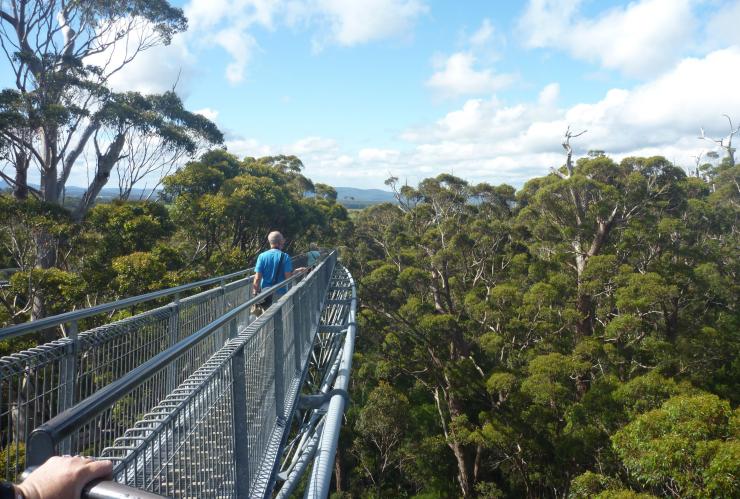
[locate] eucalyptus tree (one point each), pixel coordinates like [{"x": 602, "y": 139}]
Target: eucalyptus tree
[
  {"x": 577, "y": 209},
  {"x": 442, "y": 240},
  {"x": 48, "y": 46},
  {"x": 533, "y": 328},
  {"x": 127, "y": 116},
  {"x": 61, "y": 55},
  {"x": 225, "y": 207}
]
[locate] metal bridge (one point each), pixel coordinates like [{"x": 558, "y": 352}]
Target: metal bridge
[{"x": 190, "y": 395}]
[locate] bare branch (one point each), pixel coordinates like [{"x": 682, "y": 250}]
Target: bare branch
[{"x": 569, "y": 149}]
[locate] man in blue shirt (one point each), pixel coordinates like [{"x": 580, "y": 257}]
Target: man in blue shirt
[{"x": 273, "y": 266}]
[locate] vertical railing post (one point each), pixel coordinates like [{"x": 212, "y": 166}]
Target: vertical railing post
[
  {"x": 250, "y": 294},
  {"x": 316, "y": 302},
  {"x": 277, "y": 334},
  {"x": 69, "y": 375},
  {"x": 173, "y": 327},
  {"x": 297, "y": 329},
  {"x": 222, "y": 292},
  {"x": 233, "y": 328},
  {"x": 239, "y": 414}
]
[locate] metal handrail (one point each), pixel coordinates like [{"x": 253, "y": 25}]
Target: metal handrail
[
  {"x": 316, "y": 440},
  {"x": 113, "y": 490},
  {"x": 83, "y": 313},
  {"x": 76, "y": 315},
  {"x": 220, "y": 429},
  {"x": 323, "y": 467},
  {"x": 106, "y": 489},
  {"x": 43, "y": 439}
]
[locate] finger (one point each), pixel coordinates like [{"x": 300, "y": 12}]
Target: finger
[{"x": 99, "y": 469}]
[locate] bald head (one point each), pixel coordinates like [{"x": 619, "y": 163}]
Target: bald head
[{"x": 275, "y": 239}]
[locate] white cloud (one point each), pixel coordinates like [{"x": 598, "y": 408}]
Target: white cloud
[
  {"x": 483, "y": 35},
  {"x": 468, "y": 71},
  {"x": 722, "y": 27},
  {"x": 204, "y": 15},
  {"x": 240, "y": 45},
  {"x": 486, "y": 140},
  {"x": 229, "y": 24},
  {"x": 549, "y": 95},
  {"x": 153, "y": 70},
  {"x": 208, "y": 112},
  {"x": 354, "y": 22},
  {"x": 311, "y": 145},
  {"x": 641, "y": 39},
  {"x": 375, "y": 154},
  {"x": 545, "y": 21},
  {"x": 242, "y": 147},
  {"x": 458, "y": 76}
]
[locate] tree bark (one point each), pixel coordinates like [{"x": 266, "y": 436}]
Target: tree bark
[
  {"x": 464, "y": 458},
  {"x": 49, "y": 183},
  {"x": 75, "y": 153},
  {"x": 338, "y": 474},
  {"x": 463, "y": 468},
  {"x": 20, "y": 189},
  {"x": 105, "y": 165},
  {"x": 584, "y": 305}
]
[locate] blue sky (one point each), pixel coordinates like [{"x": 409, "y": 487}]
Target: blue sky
[
  {"x": 367, "y": 94},
  {"x": 360, "y": 89}
]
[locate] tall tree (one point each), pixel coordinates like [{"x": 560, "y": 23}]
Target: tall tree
[
  {"x": 47, "y": 45},
  {"x": 126, "y": 116},
  {"x": 576, "y": 209}
]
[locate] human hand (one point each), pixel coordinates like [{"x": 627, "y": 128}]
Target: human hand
[{"x": 64, "y": 477}]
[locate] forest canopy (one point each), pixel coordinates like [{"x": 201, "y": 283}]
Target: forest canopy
[{"x": 576, "y": 337}]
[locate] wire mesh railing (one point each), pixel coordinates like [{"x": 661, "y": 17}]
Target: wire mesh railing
[
  {"x": 215, "y": 430},
  {"x": 38, "y": 383},
  {"x": 317, "y": 418}
]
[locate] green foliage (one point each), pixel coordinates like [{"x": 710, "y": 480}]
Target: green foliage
[
  {"x": 63, "y": 289},
  {"x": 591, "y": 484},
  {"x": 137, "y": 273},
  {"x": 686, "y": 447},
  {"x": 545, "y": 327},
  {"x": 12, "y": 458},
  {"x": 224, "y": 207}
]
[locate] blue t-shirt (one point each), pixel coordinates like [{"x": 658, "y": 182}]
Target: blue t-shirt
[
  {"x": 267, "y": 263},
  {"x": 313, "y": 257}
]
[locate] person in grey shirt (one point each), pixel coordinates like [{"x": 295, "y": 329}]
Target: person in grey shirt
[{"x": 313, "y": 256}]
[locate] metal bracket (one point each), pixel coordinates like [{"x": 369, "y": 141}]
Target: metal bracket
[{"x": 316, "y": 401}]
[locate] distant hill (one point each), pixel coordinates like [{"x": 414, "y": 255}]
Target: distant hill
[
  {"x": 352, "y": 197},
  {"x": 73, "y": 191}
]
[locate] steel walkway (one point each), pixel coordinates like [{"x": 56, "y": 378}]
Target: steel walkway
[{"x": 194, "y": 398}]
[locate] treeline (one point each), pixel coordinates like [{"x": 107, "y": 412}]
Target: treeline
[
  {"x": 213, "y": 218},
  {"x": 576, "y": 338}
]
